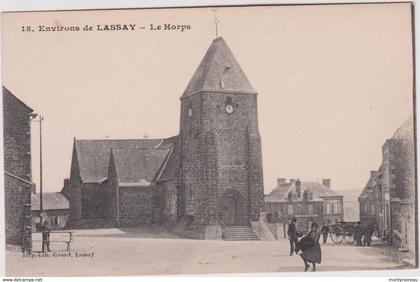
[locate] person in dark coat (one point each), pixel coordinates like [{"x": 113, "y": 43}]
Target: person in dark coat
[
  {"x": 293, "y": 236},
  {"x": 358, "y": 234},
  {"x": 325, "y": 229},
  {"x": 310, "y": 247},
  {"x": 367, "y": 236},
  {"x": 46, "y": 230}
]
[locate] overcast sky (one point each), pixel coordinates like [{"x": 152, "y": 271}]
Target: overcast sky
[{"x": 334, "y": 81}]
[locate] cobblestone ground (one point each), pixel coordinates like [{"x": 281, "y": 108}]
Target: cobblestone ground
[{"x": 139, "y": 252}]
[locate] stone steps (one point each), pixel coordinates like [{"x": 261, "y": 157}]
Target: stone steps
[{"x": 239, "y": 233}]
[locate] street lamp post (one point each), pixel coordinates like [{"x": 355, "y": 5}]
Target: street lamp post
[
  {"x": 40, "y": 169},
  {"x": 40, "y": 119}
]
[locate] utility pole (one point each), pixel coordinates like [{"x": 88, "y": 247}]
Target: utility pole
[
  {"x": 40, "y": 169},
  {"x": 41, "y": 118}
]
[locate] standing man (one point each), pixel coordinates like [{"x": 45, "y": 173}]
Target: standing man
[
  {"x": 46, "y": 230},
  {"x": 292, "y": 234},
  {"x": 358, "y": 234},
  {"x": 367, "y": 236},
  {"x": 325, "y": 230}
]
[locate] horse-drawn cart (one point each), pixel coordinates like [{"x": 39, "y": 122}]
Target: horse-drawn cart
[{"x": 343, "y": 232}]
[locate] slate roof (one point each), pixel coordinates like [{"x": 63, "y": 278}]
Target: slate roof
[
  {"x": 7, "y": 94},
  {"x": 93, "y": 155},
  {"x": 171, "y": 167},
  {"x": 218, "y": 71},
  {"x": 371, "y": 183},
  {"x": 406, "y": 130},
  {"x": 280, "y": 192},
  {"x": 138, "y": 167},
  {"x": 50, "y": 201}
]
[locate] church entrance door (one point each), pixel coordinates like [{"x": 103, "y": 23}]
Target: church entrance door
[{"x": 229, "y": 210}]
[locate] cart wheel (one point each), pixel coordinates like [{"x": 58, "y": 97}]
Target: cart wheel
[
  {"x": 349, "y": 237},
  {"x": 337, "y": 234}
]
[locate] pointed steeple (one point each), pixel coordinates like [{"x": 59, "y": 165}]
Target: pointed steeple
[{"x": 219, "y": 72}]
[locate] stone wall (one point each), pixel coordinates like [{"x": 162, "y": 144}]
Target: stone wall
[
  {"x": 95, "y": 200},
  {"x": 17, "y": 194},
  {"x": 220, "y": 152},
  {"x": 17, "y": 137},
  {"x": 399, "y": 169},
  {"x": 169, "y": 202},
  {"x": 138, "y": 205},
  {"x": 17, "y": 164}
]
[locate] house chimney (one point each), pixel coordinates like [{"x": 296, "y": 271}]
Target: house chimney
[
  {"x": 290, "y": 196},
  {"x": 281, "y": 181},
  {"x": 326, "y": 182},
  {"x": 66, "y": 182},
  {"x": 305, "y": 195},
  {"x": 298, "y": 188},
  {"x": 310, "y": 196}
]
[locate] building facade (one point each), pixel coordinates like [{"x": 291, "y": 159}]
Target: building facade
[
  {"x": 55, "y": 210},
  {"x": 389, "y": 198},
  {"x": 308, "y": 202},
  {"x": 17, "y": 166},
  {"x": 104, "y": 171},
  {"x": 207, "y": 177},
  {"x": 370, "y": 200}
]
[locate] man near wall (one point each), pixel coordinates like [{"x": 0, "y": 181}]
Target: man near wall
[{"x": 292, "y": 234}]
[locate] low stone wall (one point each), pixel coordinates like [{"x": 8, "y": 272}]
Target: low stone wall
[
  {"x": 262, "y": 230},
  {"x": 277, "y": 230},
  {"x": 213, "y": 232},
  {"x": 191, "y": 231}
]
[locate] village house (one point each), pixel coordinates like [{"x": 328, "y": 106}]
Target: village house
[
  {"x": 55, "y": 210},
  {"x": 206, "y": 181},
  {"x": 17, "y": 167},
  {"x": 370, "y": 200},
  {"x": 307, "y": 201},
  {"x": 388, "y": 199}
]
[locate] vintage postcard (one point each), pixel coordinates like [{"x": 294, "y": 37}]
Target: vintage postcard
[{"x": 209, "y": 140}]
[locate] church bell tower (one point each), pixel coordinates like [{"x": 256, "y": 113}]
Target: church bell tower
[{"x": 221, "y": 180}]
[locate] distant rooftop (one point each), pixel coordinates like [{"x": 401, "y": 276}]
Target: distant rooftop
[
  {"x": 282, "y": 189},
  {"x": 50, "y": 201}
]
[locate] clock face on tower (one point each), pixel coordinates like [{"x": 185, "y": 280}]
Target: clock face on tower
[{"x": 229, "y": 109}]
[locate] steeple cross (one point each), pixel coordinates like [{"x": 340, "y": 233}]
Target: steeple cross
[{"x": 216, "y": 22}]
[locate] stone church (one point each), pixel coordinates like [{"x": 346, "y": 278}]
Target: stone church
[{"x": 202, "y": 181}]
